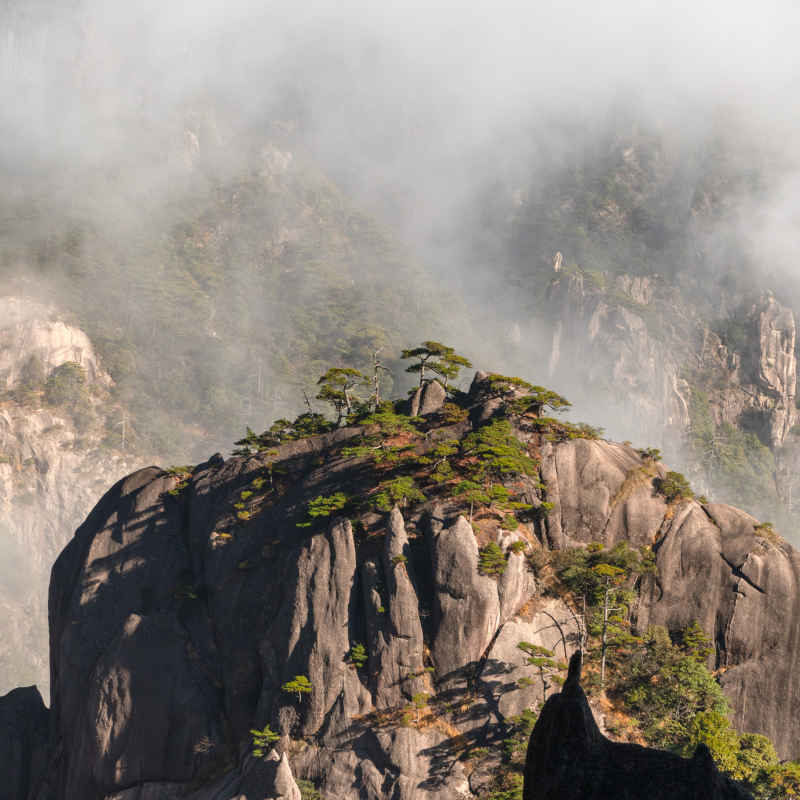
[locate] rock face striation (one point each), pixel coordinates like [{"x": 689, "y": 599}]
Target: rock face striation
[
  {"x": 667, "y": 373},
  {"x": 569, "y": 759},
  {"x": 642, "y": 357},
  {"x": 186, "y": 602}
]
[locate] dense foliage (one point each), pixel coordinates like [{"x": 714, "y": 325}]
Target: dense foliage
[{"x": 658, "y": 682}]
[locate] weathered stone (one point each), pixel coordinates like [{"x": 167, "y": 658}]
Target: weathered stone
[
  {"x": 269, "y": 779},
  {"x": 516, "y": 585},
  {"x": 399, "y": 659},
  {"x": 231, "y": 611},
  {"x": 110, "y": 591},
  {"x": 744, "y": 590},
  {"x": 311, "y": 633},
  {"x": 466, "y": 606},
  {"x": 775, "y": 367},
  {"x": 149, "y": 714},
  {"x": 514, "y": 683},
  {"x": 52, "y": 470},
  {"x": 428, "y": 399},
  {"x": 601, "y": 491}
]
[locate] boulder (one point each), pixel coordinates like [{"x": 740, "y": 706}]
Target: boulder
[
  {"x": 269, "y": 779},
  {"x": 428, "y": 399}
]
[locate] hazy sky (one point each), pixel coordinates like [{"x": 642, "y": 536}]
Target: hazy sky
[{"x": 412, "y": 107}]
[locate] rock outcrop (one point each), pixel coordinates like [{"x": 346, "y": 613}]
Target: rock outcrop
[
  {"x": 742, "y": 585},
  {"x": 185, "y": 603},
  {"x": 428, "y": 399},
  {"x": 231, "y": 612},
  {"x": 659, "y": 363},
  {"x": 23, "y": 733},
  {"x": 569, "y": 759}
]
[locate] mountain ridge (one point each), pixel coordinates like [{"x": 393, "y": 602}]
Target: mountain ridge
[{"x": 165, "y": 571}]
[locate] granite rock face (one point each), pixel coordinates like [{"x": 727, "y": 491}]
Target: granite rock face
[
  {"x": 743, "y": 587},
  {"x": 638, "y": 339},
  {"x": 231, "y": 612},
  {"x": 569, "y": 759},
  {"x": 176, "y": 622},
  {"x": 467, "y": 604}
]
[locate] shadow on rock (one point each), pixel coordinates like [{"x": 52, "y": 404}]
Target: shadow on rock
[{"x": 569, "y": 759}]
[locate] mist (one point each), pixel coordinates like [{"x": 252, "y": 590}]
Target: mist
[{"x": 440, "y": 120}]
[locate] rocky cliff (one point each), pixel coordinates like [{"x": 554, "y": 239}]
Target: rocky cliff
[
  {"x": 718, "y": 396},
  {"x": 186, "y": 602},
  {"x": 55, "y": 460}
]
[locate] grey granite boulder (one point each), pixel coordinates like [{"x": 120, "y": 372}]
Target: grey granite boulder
[{"x": 428, "y": 399}]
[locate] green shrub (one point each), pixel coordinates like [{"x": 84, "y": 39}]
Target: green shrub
[
  {"x": 262, "y": 741},
  {"x": 358, "y": 655},
  {"x": 32, "y": 375},
  {"x": 649, "y": 453},
  {"x": 322, "y": 507},
  {"x": 500, "y": 454},
  {"x": 66, "y": 385},
  {"x": 307, "y": 790},
  {"x": 491, "y": 560},
  {"x": 398, "y": 491},
  {"x": 674, "y": 487},
  {"x": 765, "y": 530},
  {"x": 452, "y": 414}
]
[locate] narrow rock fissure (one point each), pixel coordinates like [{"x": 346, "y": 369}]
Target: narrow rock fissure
[{"x": 737, "y": 571}]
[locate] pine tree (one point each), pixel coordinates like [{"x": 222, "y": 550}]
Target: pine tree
[
  {"x": 262, "y": 740},
  {"x": 438, "y": 358},
  {"x": 337, "y": 388},
  {"x": 545, "y": 662},
  {"x": 299, "y": 685}
]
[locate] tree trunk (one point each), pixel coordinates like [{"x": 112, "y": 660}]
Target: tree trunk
[{"x": 603, "y": 640}]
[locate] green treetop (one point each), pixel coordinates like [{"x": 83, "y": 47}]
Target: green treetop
[
  {"x": 337, "y": 388},
  {"x": 545, "y": 662},
  {"x": 262, "y": 741},
  {"x": 299, "y": 685},
  {"x": 438, "y": 358},
  {"x": 500, "y": 454}
]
